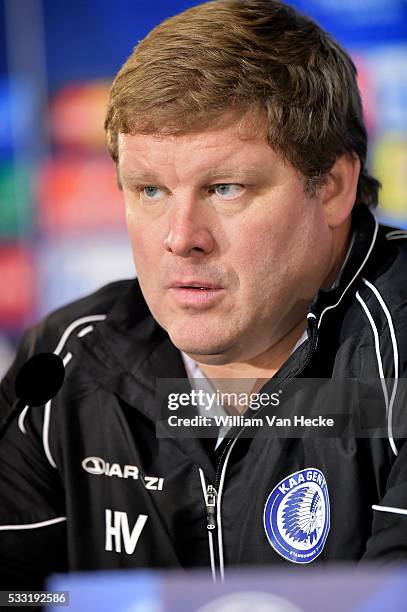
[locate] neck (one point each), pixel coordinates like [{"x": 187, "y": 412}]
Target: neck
[
  {"x": 248, "y": 377},
  {"x": 263, "y": 366}
]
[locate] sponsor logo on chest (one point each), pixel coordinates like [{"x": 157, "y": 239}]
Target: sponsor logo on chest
[
  {"x": 98, "y": 466},
  {"x": 297, "y": 516}
]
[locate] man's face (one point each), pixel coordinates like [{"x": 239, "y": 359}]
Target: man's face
[{"x": 228, "y": 248}]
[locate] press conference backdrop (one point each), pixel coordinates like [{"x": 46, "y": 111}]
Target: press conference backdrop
[{"x": 62, "y": 230}]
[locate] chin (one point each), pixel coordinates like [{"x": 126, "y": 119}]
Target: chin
[{"x": 206, "y": 348}]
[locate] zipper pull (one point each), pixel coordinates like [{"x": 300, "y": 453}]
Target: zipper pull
[{"x": 211, "y": 494}]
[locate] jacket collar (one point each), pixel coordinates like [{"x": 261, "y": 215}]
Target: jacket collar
[{"x": 362, "y": 252}]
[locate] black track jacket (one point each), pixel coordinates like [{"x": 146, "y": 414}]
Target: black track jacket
[{"x": 85, "y": 483}]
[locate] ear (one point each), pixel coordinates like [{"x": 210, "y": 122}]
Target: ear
[{"x": 338, "y": 194}]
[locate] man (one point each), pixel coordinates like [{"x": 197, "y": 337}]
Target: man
[{"x": 238, "y": 137}]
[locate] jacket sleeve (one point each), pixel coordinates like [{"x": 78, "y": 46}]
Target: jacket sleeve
[
  {"x": 32, "y": 508},
  {"x": 388, "y": 539}
]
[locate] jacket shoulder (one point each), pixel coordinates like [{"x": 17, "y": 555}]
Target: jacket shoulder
[
  {"x": 46, "y": 335},
  {"x": 392, "y": 281},
  {"x": 382, "y": 305},
  {"x": 96, "y": 304}
]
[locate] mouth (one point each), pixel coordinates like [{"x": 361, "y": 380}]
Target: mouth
[
  {"x": 199, "y": 294},
  {"x": 195, "y": 285}
]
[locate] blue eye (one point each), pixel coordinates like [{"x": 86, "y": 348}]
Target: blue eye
[
  {"x": 150, "y": 191},
  {"x": 225, "y": 189}
]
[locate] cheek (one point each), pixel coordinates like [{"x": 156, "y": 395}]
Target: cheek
[
  {"x": 275, "y": 254},
  {"x": 260, "y": 245},
  {"x": 143, "y": 244},
  {"x": 256, "y": 262}
]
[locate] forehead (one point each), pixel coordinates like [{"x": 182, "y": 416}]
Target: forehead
[{"x": 235, "y": 144}]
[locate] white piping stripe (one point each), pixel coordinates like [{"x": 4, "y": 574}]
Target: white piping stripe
[
  {"x": 398, "y": 237},
  {"x": 73, "y": 326},
  {"x": 210, "y": 536},
  {"x": 85, "y": 331},
  {"x": 381, "y": 373},
  {"x": 212, "y": 555},
  {"x": 396, "y": 232},
  {"x": 390, "y": 509},
  {"x": 67, "y": 359},
  {"x": 21, "y": 420},
  {"x": 47, "y": 417},
  {"x": 357, "y": 273},
  {"x": 203, "y": 484},
  {"x": 395, "y": 358},
  {"x": 59, "y": 519},
  {"x": 45, "y": 434},
  {"x": 377, "y": 348},
  {"x": 218, "y": 515},
  {"x": 391, "y": 327}
]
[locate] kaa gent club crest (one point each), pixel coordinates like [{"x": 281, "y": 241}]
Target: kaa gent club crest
[{"x": 296, "y": 516}]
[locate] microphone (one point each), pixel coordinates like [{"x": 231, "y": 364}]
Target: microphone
[{"x": 38, "y": 381}]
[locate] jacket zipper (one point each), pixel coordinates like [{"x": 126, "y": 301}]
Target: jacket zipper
[
  {"x": 212, "y": 497},
  {"x": 211, "y": 494}
]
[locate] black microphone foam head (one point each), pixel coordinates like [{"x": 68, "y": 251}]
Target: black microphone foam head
[{"x": 40, "y": 379}]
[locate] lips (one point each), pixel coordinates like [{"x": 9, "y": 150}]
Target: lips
[
  {"x": 196, "y": 294},
  {"x": 195, "y": 284}
]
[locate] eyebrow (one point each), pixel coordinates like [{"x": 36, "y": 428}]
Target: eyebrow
[{"x": 248, "y": 173}]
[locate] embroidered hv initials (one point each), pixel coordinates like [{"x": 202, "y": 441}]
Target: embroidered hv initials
[{"x": 118, "y": 531}]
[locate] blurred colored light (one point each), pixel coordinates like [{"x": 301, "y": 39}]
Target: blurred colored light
[
  {"x": 17, "y": 299},
  {"x": 79, "y": 194},
  {"x": 77, "y": 115},
  {"x": 390, "y": 166},
  {"x": 16, "y": 201}
]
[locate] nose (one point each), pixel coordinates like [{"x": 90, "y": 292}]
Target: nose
[{"x": 189, "y": 232}]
